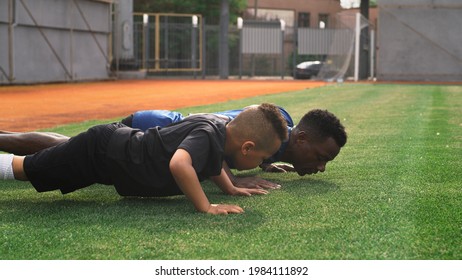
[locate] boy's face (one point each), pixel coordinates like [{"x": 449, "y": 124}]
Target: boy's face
[
  {"x": 250, "y": 157},
  {"x": 312, "y": 157}
]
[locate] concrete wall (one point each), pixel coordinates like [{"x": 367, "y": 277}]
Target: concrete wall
[
  {"x": 54, "y": 40},
  {"x": 420, "y": 40}
]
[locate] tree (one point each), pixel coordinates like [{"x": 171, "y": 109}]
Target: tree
[{"x": 210, "y": 9}]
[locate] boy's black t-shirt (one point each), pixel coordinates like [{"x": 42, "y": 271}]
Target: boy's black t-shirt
[{"x": 139, "y": 162}]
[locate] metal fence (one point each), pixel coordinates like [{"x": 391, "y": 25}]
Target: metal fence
[
  {"x": 168, "y": 43},
  {"x": 177, "y": 45},
  {"x": 80, "y": 44}
]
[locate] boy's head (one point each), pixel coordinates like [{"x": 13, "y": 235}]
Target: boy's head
[
  {"x": 317, "y": 138},
  {"x": 257, "y": 133}
]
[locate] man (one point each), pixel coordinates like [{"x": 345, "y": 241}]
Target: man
[{"x": 314, "y": 142}]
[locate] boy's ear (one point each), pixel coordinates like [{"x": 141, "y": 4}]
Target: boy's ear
[{"x": 247, "y": 146}]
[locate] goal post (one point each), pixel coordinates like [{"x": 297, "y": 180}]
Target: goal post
[{"x": 343, "y": 58}]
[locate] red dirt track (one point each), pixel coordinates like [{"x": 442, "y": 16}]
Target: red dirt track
[{"x": 32, "y": 107}]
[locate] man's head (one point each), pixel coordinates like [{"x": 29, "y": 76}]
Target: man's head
[
  {"x": 258, "y": 132},
  {"x": 316, "y": 140}
]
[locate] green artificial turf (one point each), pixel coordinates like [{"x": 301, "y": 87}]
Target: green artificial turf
[{"x": 394, "y": 192}]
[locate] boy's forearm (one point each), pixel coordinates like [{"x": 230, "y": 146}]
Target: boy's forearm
[{"x": 186, "y": 178}]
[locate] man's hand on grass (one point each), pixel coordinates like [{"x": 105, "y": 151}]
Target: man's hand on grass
[
  {"x": 254, "y": 183},
  {"x": 248, "y": 191},
  {"x": 277, "y": 168}
]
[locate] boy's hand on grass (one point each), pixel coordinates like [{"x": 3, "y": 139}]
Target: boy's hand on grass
[
  {"x": 224, "y": 209},
  {"x": 254, "y": 183}
]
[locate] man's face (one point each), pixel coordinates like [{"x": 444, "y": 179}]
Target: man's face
[{"x": 311, "y": 156}]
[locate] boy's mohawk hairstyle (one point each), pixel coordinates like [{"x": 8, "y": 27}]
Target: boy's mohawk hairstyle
[
  {"x": 262, "y": 124},
  {"x": 274, "y": 116}
]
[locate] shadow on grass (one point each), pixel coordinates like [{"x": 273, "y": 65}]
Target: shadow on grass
[
  {"x": 310, "y": 186},
  {"x": 291, "y": 182},
  {"x": 307, "y": 186},
  {"x": 172, "y": 214},
  {"x": 97, "y": 206}
]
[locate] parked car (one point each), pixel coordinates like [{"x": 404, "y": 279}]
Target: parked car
[{"x": 307, "y": 69}]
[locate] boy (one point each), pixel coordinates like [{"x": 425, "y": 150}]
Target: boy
[
  {"x": 31, "y": 142},
  {"x": 160, "y": 161}
]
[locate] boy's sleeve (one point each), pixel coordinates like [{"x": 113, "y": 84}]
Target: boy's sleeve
[
  {"x": 206, "y": 155},
  {"x": 196, "y": 144}
]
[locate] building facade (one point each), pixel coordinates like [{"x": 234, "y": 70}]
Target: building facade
[{"x": 301, "y": 13}]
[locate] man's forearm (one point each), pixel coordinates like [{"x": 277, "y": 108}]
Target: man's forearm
[{"x": 228, "y": 172}]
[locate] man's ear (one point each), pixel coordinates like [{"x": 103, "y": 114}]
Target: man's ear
[
  {"x": 308, "y": 137},
  {"x": 302, "y": 136},
  {"x": 247, "y": 146}
]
